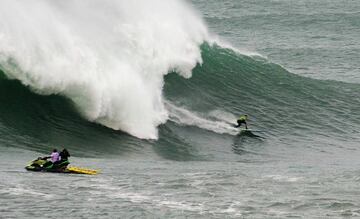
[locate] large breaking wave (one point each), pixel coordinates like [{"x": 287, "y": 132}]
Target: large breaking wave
[{"x": 109, "y": 57}]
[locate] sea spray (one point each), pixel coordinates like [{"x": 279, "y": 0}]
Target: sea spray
[
  {"x": 109, "y": 57},
  {"x": 216, "y": 121}
]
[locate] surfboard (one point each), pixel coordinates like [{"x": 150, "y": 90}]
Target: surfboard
[
  {"x": 248, "y": 132},
  {"x": 80, "y": 170}
]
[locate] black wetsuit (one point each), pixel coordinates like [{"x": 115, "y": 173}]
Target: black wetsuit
[
  {"x": 241, "y": 121},
  {"x": 64, "y": 155}
]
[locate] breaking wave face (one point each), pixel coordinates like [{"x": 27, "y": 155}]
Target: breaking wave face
[{"x": 108, "y": 56}]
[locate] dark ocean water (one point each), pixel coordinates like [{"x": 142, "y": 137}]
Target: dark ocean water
[{"x": 294, "y": 69}]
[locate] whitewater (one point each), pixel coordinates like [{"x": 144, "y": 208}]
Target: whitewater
[{"x": 108, "y": 57}]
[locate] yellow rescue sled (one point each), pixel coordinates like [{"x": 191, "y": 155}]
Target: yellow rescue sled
[{"x": 80, "y": 170}]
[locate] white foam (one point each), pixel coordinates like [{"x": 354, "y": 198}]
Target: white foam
[
  {"x": 214, "y": 39},
  {"x": 20, "y": 191},
  {"x": 282, "y": 178},
  {"x": 211, "y": 121},
  {"x": 109, "y": 57}
]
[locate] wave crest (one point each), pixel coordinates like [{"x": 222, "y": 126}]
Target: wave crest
[{"x": 109, "y": 57}]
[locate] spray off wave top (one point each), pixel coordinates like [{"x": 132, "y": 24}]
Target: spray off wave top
[{"x": 109, "y": 57}]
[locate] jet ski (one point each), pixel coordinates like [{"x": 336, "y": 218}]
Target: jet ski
[{"x": 43, "y": 165}]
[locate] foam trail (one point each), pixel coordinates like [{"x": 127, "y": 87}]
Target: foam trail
[
  {"x": 211, "y": 121},
  {"x": 108, "y": 56}
]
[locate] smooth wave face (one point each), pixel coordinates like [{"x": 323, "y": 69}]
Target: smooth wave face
[
  {"x": 108, "y": 57},
  {"x": 277, "y": 100}
]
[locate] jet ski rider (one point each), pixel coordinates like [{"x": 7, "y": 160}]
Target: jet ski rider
[
  {"x": 64, "y": 155},
  {"x": 55, "y": 156}
]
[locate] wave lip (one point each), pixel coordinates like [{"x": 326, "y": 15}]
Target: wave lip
[{"x": 109, "y": 57}]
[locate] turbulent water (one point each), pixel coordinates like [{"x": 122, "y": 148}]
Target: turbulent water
[{"x": 147, "y": 92}]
